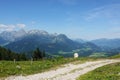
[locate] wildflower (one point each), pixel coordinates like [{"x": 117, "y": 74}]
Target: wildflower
[{"x": 18, "y": 67}]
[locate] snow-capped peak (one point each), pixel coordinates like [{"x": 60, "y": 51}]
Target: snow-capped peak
[{"x": 38, "y": 32}]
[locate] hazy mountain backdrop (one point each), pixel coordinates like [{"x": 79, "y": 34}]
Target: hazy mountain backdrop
[{"x": 27, "y": 41}]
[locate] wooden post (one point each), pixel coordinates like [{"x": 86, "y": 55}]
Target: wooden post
[
  {"x": 14, "y": 61},
  {"x": 31, "y": 61}
]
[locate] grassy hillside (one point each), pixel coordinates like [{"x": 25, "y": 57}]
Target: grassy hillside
[{"x": 108, "y": 72}]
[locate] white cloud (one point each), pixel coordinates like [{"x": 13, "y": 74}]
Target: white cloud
[
  {"x": 11, "y": 27},
  {"x": 109, "y": 16},
  {"x": 105, "y": 12},
  {"x": 21, "y": 25},
  {"x": 4, "y": 27}
]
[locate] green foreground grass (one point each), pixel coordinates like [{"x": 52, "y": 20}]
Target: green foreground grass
[
  {"x": 108, "y": 72},
  {"x": 8, "y": 68}
]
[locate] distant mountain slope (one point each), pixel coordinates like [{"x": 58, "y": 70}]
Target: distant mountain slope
[
  {"x": 12, "y": 35},
  {"x": 80, "y": 40},
  {"x": 52, "y": 43},
  {"x": 109, "y": 43},
  {"x": 48, "y": 43},
  {"x": 57, "y": 44},
  {"x": 2, "y": 41}
]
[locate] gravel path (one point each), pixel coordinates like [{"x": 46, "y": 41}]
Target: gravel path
[{"x": 69, "y": 72}]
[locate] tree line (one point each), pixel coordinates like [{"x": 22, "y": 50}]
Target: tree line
[{"x": 7, "y": 54}]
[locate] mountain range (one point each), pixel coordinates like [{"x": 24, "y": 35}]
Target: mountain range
[
  {"x": 26, "y": 41},
  {"x": 109, "y": 43}
]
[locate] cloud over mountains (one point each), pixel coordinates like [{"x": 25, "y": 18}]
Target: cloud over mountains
[{"x": 11, "y": 27}]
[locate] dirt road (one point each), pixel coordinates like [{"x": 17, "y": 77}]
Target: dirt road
[{"x": 68, "y": 72}]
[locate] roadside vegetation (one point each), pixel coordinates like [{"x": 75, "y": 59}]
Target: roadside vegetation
[
  {"x": 8, "y": 68},
  {"x": 108, "y": 72}
]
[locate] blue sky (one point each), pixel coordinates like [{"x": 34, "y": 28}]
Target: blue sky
[{"x": 86, "y": 19}]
